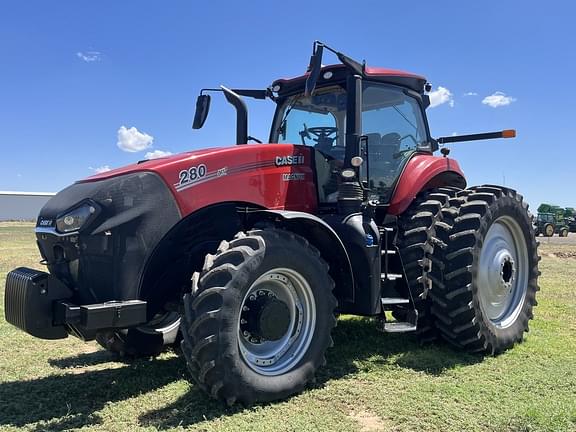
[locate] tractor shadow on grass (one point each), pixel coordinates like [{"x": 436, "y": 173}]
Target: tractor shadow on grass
[
  {"x": 73, "y": 399},
  {"x": 82, "y": 360},
  {"x": 357, "y": 346}
]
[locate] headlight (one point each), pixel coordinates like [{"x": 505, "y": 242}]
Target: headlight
[{"x": 76, "y": 218}]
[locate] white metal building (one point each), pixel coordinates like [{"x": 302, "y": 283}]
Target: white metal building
[{"x": 22, "y": 205}]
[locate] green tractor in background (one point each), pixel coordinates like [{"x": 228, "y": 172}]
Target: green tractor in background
[{"x": 553, "y": 219}]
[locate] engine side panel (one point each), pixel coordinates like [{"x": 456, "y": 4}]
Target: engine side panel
[
  {"x": 423, "y": 171},
  {"x": 273, "y": 176}
]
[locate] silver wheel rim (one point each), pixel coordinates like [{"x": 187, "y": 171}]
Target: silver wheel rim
[
  {"x": 503, "y": 272},
  {"x": 280, "y": 356}
]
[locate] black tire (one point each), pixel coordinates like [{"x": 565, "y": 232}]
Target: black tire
[
  {"x": 548, "y": 230},
  {"x": 461, "y": 314},
  {"x": 211, "y": 322},
  {"x": 563, "y": 232},
  {"x": 145, "y": 341},
  {"x": 415, "y": 243}
]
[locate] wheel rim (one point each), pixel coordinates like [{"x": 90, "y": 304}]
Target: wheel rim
[
  {"x": 278, "y": 356},
  {"x": 503, "y": 272},
  {"x": 549, "y": 230}
]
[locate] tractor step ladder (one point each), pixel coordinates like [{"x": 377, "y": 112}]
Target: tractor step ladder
[
  {"x": 393, "y": 298},
  {"x": 398, "y": 327},
  {"x": 387, "y": 301},
  {"x": 391, "y": 276}
]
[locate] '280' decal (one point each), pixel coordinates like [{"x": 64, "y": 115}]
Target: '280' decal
[{"x": 192, "y": 174}]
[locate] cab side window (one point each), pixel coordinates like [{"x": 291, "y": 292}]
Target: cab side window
[{"x": 395, "y": 128}]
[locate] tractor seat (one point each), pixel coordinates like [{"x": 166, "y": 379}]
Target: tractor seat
[{"x": 383, "y": 165}]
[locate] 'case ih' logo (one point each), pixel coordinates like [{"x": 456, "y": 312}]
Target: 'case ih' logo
[
  {"x": 289, "y": 160},
  {"x": 44, "y": 223}
]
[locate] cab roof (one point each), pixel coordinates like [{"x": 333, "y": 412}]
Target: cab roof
[{"x": 340, "y": 71}]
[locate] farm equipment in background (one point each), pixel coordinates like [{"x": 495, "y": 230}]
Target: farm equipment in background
[
  {"x": 248, "y": 253},
  {"x": 552, "y": 219}
]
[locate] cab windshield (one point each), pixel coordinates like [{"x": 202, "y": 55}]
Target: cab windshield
[
  {"x": 392, "y": 122},
  {"x": 317, "y": 121}
]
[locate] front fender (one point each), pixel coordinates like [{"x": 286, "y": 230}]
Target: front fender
[
  {"x": 424, "y": 172},
  {"x": 323, "y": 237}
]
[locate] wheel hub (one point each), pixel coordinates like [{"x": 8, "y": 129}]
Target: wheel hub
[
  {"x": 264, "y": 317},
  {"x": 276, "y": 321}
]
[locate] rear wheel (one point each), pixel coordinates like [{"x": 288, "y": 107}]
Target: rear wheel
[
  {"x": 148, "y": 340},
  {"x": 258, "y": 322},
  {"x": 491, "y": 271},
  {"x": 548, "y": 230},
  {"x": 415, "y": 235}
]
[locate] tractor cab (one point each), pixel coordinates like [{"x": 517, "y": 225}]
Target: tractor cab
[{"x": 389, "y": 119}]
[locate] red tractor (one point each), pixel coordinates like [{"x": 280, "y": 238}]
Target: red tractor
[{"x": 247, "y": 254}]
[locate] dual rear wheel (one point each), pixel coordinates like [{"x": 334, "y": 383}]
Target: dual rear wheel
[{"x": 488, "y": 276}]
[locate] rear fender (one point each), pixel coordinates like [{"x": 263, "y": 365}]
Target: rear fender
[
  {"x": 323, "y": 237},
  {"x": 424, "y": 172}
]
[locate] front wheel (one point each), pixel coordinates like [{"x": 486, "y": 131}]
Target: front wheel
[
  {"x": 259, "y": 319},
  {"x": 548, "y": 230},
  {"x": 490, "y": 271}
]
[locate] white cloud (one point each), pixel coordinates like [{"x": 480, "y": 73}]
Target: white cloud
[
  {"x": 470, "y": 94},
  {"x": 157, "y": 154},
  {"x": 89, "y": 56},
  {"x": 440, "y": 96},
  {"x": 132, "y": 140},
  {"x": 498, "y": 99},
  {"x": 101, "y": 169}
]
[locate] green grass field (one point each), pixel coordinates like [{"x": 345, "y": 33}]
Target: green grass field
[{"x": 372, "y": 382}]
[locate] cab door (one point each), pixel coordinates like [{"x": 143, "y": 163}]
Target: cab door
[{"x": 394, "y": 128}]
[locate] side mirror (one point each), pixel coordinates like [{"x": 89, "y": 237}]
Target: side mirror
[
  {"x": 314, "y": 68},
  {"x": 202, "y": 108}
]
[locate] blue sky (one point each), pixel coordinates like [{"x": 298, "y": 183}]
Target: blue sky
[{"x": 72, "y": 73}]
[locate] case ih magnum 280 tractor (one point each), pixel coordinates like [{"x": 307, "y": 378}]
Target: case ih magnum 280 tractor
[{"x": 247, "y": 254}]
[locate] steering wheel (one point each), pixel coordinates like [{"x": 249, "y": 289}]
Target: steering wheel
[{"x": 321, "y": 134}]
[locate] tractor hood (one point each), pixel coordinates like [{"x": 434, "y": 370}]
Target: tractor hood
[
  {"x": 266, "y": 175},
  {"x": 272, "y": 176}
]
